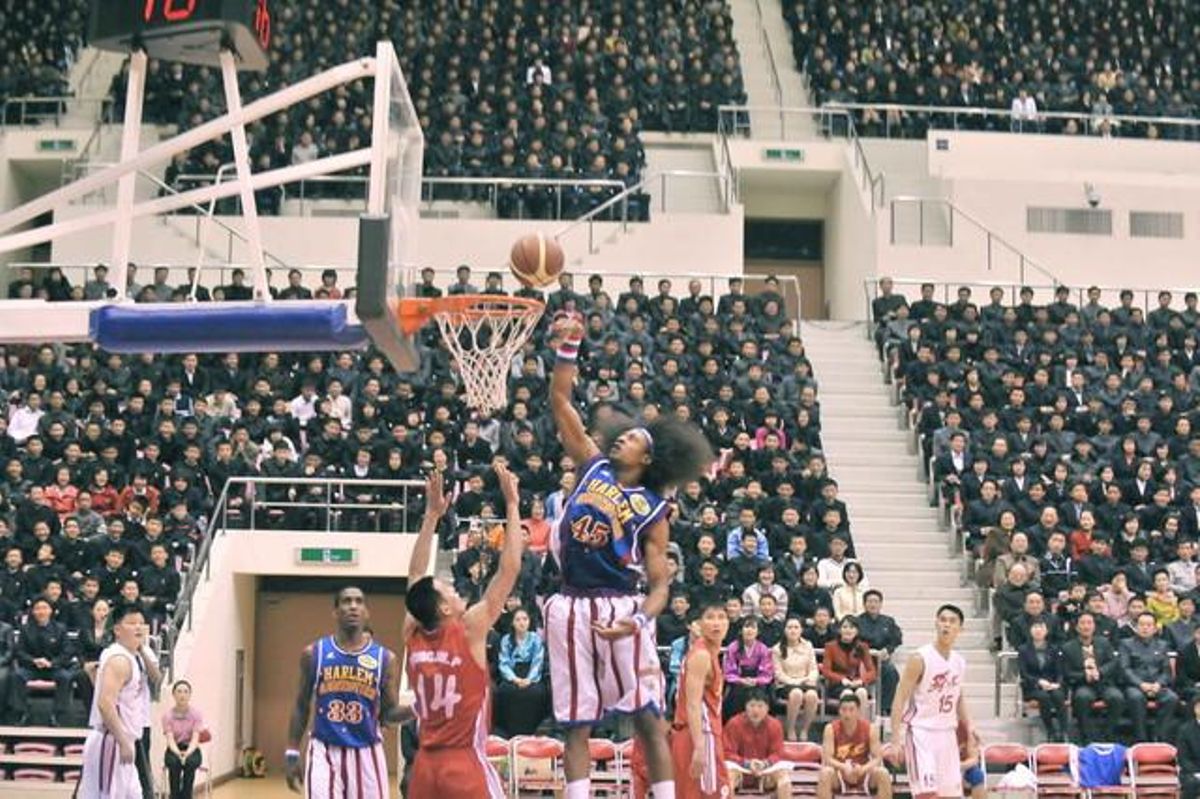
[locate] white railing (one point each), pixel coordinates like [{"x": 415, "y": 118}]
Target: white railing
[
  {"x": 993, "y": 242},
  {"x": 52, "y": 109},
  {"x": 897, "y": 117},
  {"x": 765, "y": 43}
]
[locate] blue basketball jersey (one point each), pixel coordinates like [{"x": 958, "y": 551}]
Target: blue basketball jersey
[
  {"x": 347, "y": 691},
  {"x": 1098, "y": 765},
  {"x": 598, "y": 540}
]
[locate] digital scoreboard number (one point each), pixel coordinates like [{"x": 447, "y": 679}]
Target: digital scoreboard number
[{"x": 189, "y": 31}]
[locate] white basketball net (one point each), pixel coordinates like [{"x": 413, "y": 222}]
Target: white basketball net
[{"x": 483, "y": 338}]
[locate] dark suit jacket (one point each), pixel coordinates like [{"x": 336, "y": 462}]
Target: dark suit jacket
[
  {"x": 1106, "y": 661},
  {"x": 1187, "y": 671},
  {"x": 1031, "y": 672}
]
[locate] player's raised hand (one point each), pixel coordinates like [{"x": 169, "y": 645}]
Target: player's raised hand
[
  {"x": 567, "y": 325},
  {"x": 436, "y": 501},
  {"x": 509, "y": 486}
]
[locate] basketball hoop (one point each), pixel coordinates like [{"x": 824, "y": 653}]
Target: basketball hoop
[{"x": 483, "y": 332}]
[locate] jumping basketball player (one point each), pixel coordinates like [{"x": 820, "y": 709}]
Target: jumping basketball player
[
  {"x": 930, "y": 693},
  {"x": 354, "y": 681},
  {"x": 612, "y": 537},
  {"x": 697, "y": 743},
  {"x": 109, "y": 771},
  {"x": 447, "y": 659}
]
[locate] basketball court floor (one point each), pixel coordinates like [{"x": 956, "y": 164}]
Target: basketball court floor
[{"x": 270, "y": 788}]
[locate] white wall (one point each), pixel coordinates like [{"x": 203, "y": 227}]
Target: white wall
[
  {"x": 704, "y": 243},
  {"x": 224, "y": 617},
  {"x": 850, "y": 246}
]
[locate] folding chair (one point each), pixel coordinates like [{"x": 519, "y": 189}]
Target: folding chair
[
  {"x": 1051, "y": 766},
  {"x": 537, "y": 764},
  {"x": 805, "y": 758},
  {"x": 499, "y": 753},
  {"x": 1153, "y": 770},
  {"x": 999, "y": 759},
  {"x": 606, "y": 773}
]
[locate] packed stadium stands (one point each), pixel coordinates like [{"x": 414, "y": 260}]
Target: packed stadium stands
[
  {"x": 533, "y": 91},
  {"x": 38, "y": 44},
  {"x": 1094, "y": 58}
]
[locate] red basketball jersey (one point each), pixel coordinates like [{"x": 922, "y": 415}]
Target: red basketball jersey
[
  {"x": 714, "y": 686},
  {"x": 451, "y": 688}
]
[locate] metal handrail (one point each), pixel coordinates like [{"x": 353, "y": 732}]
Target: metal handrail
[
  {"x": 1024, "y": 260},
  {"x": 874, "y": 184},
  {"x": 1090, "y": 120},
  {"x": 201, "y": 566},
  {"x": 590, "y": 218},
  {"x": 59, "y": 103},
  {"x": 765, "y": 41}
]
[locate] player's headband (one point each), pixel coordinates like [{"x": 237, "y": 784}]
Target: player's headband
[{"x": 645, "y": 434}]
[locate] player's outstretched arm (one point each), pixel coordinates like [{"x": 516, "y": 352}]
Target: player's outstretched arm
[
  {"x": 909, "y": 678},
  {"x": 487, "y": 611},
  {"x": 436, "y": 505},
  {"x": 299, "y": 720},
  {"x": 571, "y": 430}
]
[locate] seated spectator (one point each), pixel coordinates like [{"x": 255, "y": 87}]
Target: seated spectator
[
  {"x": 851, "y": 756},
  {"x": 1148, "y": 678},
  {"x": 182, "y": 725},
  {"x": 1041, "y": 668},
  {"x": 1161, "y": 601},
  {"x": 674, "y": 623},
  {"x": 93, "y": 638},
  {"x": 1187, "y": 677},
  {"x": 8, "y": 645},
  {"x": 538, "y": 526},
  {"x": 830, "y": 569},
  {"x": 754, "y": 749},
  {"x": 521, "y": 694},
  {"x": 766, "y": 586},
  {"x": 1018, "y": 554},
  {"x": 1116, "y": 598},
  {"x": 1018, "y": 629},
  {"x": 770, "y": 624},
  {"x": 1092, "y": 670},
  {"x": 159, "y": 585},
  {"x": 743, "y": 567},
  {"x": 808, "y": 595},
  {"x": 849, "y": 597},
  {"x": 43, "y": 653},
  {"x": 747, "y": 666},
  {"x": 796, "y": 676},
  {"x": 848, "y": 664}
]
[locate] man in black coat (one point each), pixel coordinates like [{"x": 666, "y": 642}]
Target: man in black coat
[
  {"x": 1093, "y": 673},
  {"x": 1147, "y": 668},
  {"x": 882, "y": 633},
  {"x": 44, "y": 653}
]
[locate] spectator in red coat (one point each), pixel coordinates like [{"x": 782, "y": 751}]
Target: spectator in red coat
[
  {"x": 754, "y": 749},
  {"x": 105, "y": 499},
  {"x": 140, "y": 489},
  {"x": 848, "y": 663},
  {"x": 61, "y": 494}
]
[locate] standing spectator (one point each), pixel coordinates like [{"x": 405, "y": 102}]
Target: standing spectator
[
  {"x": 93, "y": 638},
  {"x": 1041, "y": 668},
  {"x": 521, "y": 693},
  {"x": 1147, "y": 670},
  {"x": 848, "y": 664},
  {"x": 796, "y": 680},
  {"x": 747, "y": 665},
  {"x": 182, "y": 726},
  {"x": 883, "y": 635},
  {"x": 754, "y": 749},
  {"x": 1024, "y": 112}
]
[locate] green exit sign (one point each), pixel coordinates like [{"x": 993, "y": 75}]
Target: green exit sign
[
  {"x": 326, "y": 556},
  {"x": 789, "y": 155},
  {"x": 56, "y": 145}
]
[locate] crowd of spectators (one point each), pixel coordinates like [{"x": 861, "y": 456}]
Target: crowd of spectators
[
  {"x": 38, "y": 43},
  {"x": 117, "y": 453},
  {"x": 1095, "y": 58},
  {"x": 539, "y": 90},
  {"x": 1061, "y": 435}
]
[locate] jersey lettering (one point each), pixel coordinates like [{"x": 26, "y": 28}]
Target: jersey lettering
[{"x": 591, "y": 532}]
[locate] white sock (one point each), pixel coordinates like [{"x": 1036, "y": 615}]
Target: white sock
[
  {"x": 578, "y": 789},
  {"x": 663, "y": 790}
]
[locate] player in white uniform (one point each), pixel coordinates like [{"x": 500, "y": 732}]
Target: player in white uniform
[
  {"x": 109, "y": 771},
  {"x": 930, "y": 694}
]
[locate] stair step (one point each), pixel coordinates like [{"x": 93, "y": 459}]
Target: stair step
[{"x": 843, "y": 457}]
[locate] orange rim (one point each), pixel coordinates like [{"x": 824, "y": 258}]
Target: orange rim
[{"x": 414, "y": 312}]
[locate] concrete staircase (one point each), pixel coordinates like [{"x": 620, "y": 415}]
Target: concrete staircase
[
  {"x": 760, "y": 39},
  {"x": 904, "y": 552}
]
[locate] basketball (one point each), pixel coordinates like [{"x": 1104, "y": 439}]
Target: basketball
[{"x": 536, "y": 261}]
